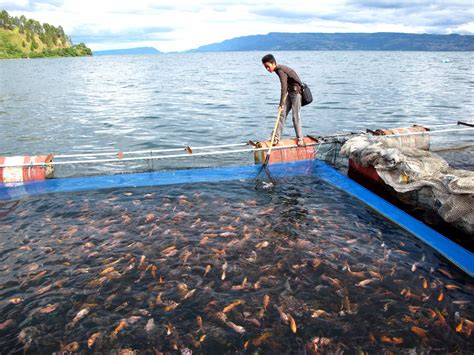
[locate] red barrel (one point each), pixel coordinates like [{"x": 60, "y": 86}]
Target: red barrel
[
  {"x": 367, "y": 174},
  {"x": 12, "y": 171},
  {"x": 418, "y": 141},
  {"x": 307, "y": 152}
]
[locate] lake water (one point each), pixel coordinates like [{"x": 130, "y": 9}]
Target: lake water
[
  {"x": 138, "y": 102},
  {"x": 221, "y": 266}
]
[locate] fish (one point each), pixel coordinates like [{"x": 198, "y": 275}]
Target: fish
[
  {"x": 107, "y": 270},
  {"x": 150, "y": 217},
  {"x": 81, "y": 314},
  {"x": 71, "y": 347},
  {"x": 4, "y": 325},
  {"x": 396, "y": 341},
  {"x": 92, "y": 339},
  {"x": 123, "y": 323},
  {"x": 49, "y": 308},
  {"x": 133, "y": 319},
  {"x": 316, "y": 313},
  {"x": 283, "y": 316},
  {"x": 418, "y": 331},
  {"x": 169, "y": 328},
  {"x": 208, "y": 268},
  {"x": 262, "y": 338},
  {"x": 154, "y": 268},
  {"x": 236, "y": 328},
  {"x": 231, "y": 306},
  {"x": 150, "y": 325},
  {"x": 262, "y": 245},
  {"x": 445, "y": 272},
  {"x": 266, "y": 301},
  {"x": 189, "y": 294},
  {"x": 170, "y": 251},
  {"x": 199, "y": 322},
  {"x": 171, "y": 306},
  {"x": 38, "y": 275},
  {"x": 15, "y": 300},
  {"x": 333, "y": 281},
  {"x": 292, "y": 324},
  {"x": 354, "y": 273},
  {"x": 224, "y": 268},
  {"x": 365, "y": 282}
]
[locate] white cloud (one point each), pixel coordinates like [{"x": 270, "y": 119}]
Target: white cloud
[{"x": 180, "y": 25}]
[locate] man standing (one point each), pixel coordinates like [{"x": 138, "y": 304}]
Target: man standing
[{"x": 290, "y": 98}]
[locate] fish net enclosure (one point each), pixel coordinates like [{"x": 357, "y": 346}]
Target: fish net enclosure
[
  {"x": 212, "y": 268},
  {"x": 424, "y": 177}
]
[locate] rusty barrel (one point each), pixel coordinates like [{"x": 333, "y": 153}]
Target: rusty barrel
[
  {"x": 12, "y": 169},
  {"x": 282, "y": 155},
  {"x": 417, "y": 141}
]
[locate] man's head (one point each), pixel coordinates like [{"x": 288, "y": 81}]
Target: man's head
[{"x": 269, "y": 62}]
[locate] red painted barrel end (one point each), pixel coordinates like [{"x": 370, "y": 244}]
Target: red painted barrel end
[
  {"x": 26, "y": 168},
  {"x": 283, "y": 155}
]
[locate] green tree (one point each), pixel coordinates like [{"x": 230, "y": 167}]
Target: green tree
[{"x": 34, "y": 44}]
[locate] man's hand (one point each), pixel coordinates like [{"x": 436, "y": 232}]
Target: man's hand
[{"x": 280, "y": 109}]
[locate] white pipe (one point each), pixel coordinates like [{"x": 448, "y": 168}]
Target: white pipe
[
  {"x": 146, "y": 151},
  {"x": 426, "y": 132}
]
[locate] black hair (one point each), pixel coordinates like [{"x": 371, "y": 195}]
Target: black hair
[{"x": 269, "y": 58}]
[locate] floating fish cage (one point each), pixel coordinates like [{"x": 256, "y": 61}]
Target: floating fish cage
[{"x": 199, "y": 260}]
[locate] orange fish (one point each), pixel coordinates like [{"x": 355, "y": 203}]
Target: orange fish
[
  {"x": 395, "y": 341},
  {"x": 123, "y": 323},
  {"x": 418, "y": 331},
  {"x": 262, "y": 338},
  {"x": 266, "y": 301},
  {"x": 92, "y": 339},
  {"x": 231, "y": 306},
  {"x": 292, "y": 324},
  {"x": 171, "y": 306}
]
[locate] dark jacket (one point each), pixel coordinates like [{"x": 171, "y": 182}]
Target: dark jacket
[{"x": 290, "y": 81}]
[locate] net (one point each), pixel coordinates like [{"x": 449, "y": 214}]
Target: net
[{"x": 448, "y": 191}]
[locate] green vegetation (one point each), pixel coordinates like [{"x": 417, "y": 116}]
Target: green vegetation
[{"x": 25, "y": 38}]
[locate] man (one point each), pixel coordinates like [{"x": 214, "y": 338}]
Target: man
[{"x": 290, "y": 98}]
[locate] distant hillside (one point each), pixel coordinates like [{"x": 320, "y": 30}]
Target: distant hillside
[
  {"x": 25, "y": 38},
  {"x": 344, "y": 42},
  {"x": 139, "y": 50}
]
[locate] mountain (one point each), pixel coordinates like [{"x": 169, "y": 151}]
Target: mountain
[
  {"x": 383, "y": 41},
  {"x": 26, "y": 38},
  {"x": 139, "y": 50}
]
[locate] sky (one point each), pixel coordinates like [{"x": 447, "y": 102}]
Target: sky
[{"x": 178, "y": 25}]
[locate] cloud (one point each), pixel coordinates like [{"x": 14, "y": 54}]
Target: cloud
[{"x": 171, "y": 25}]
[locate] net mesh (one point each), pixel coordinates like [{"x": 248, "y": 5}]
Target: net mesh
[{"x": 448, "y": 191}]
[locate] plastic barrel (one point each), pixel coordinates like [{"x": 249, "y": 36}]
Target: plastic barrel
[
  {"x": 418, "y": 141},
  {"x": 286, "y": 154},
  {"x": 12, "y": 172}
]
